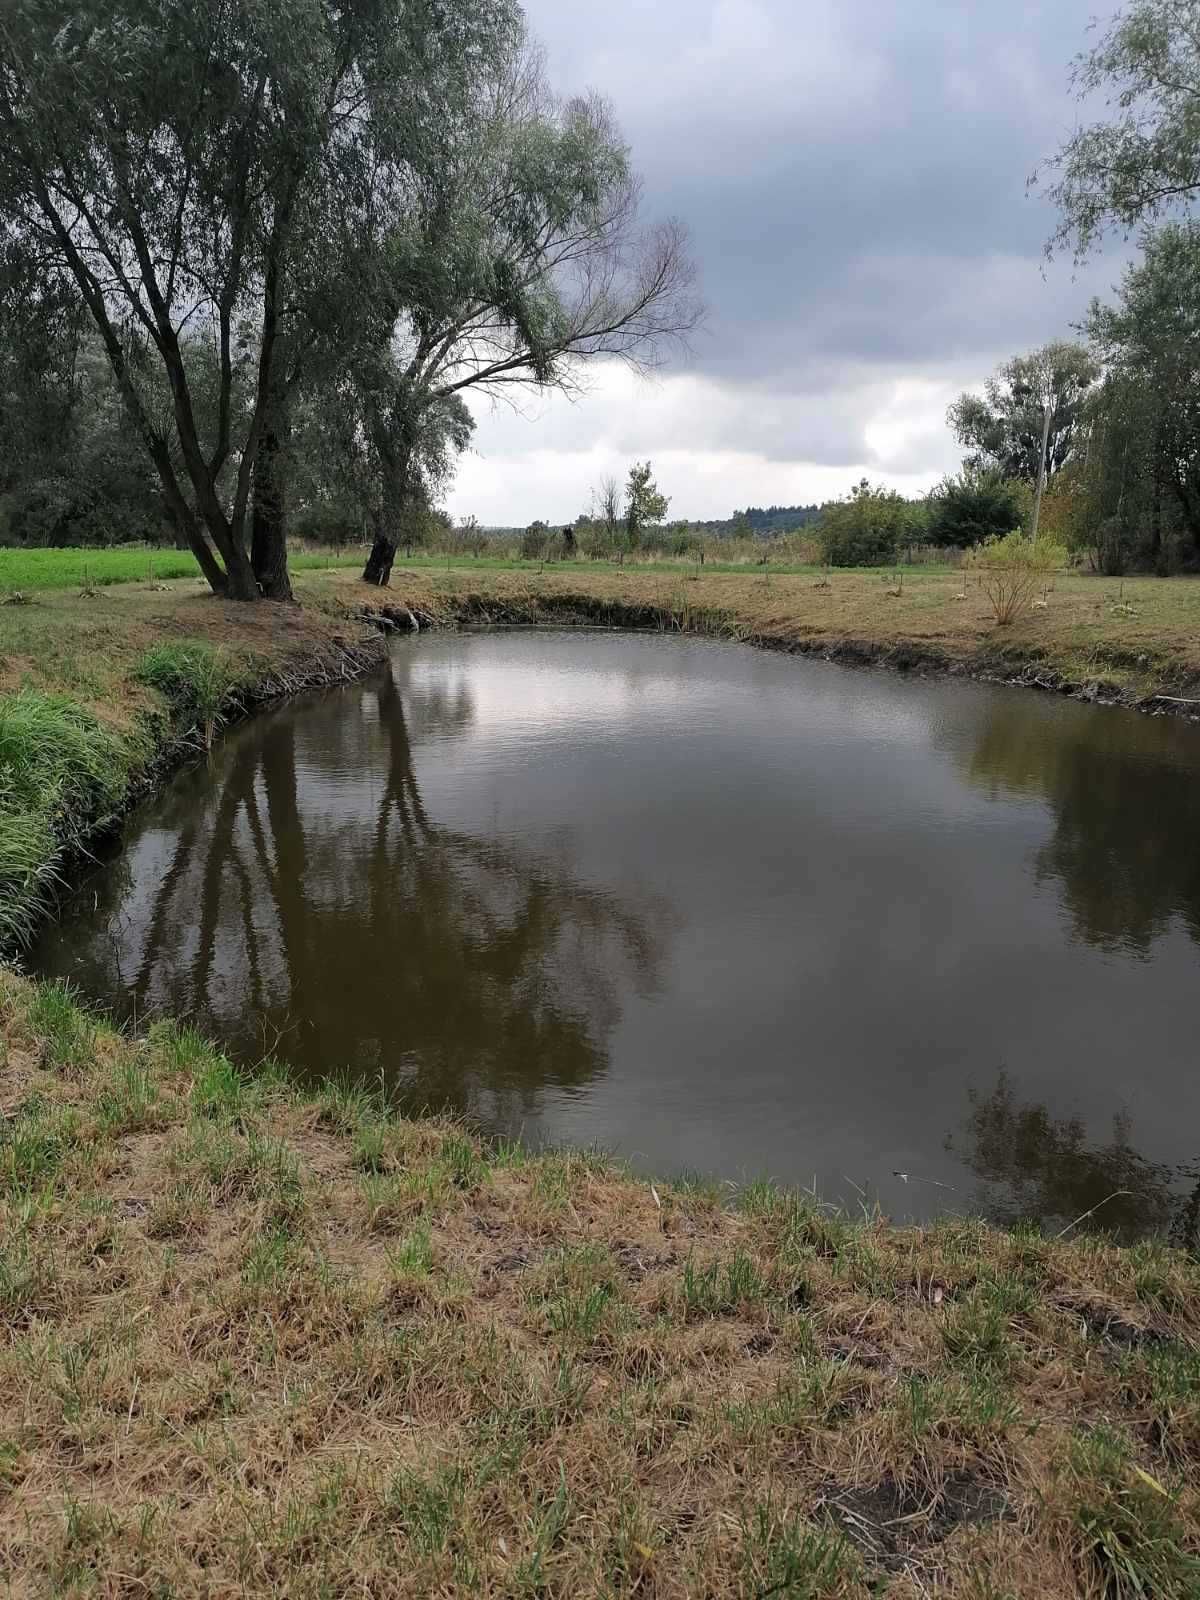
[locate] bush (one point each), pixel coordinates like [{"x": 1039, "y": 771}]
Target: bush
[
  {"x": 595, "y": 542},
  {"x": 329, "y": 524},
  {"x": 535, "y": 542},
  {"x": 865, "y": 530},
  {"x": 1013, "y": 568},
  {"x": 974, "y": 507}
]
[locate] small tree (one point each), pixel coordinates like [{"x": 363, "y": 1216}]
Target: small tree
[
  {"x": 1012, "y": 569},
  {"x": 645, "y": 507},
  {"x": 535, "y": 541},
  {"x": 606, "y": 508},
  {"x": 470, "y": 537},
  {"x": 864, "y": 530}
]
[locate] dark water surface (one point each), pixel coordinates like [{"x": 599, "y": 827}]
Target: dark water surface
[{"x": 707, "y": 907}]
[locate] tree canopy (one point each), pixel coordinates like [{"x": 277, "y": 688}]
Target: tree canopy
[
  {"x": 254, "y": 202},
  {"x": 1004, "y": 427},
  {"x": 1142, "y": 161},
  {"x": 973, "y": 507}
]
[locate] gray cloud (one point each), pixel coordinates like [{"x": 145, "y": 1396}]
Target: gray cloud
[
  {"x": 854, "y": 176},
  {"x": 835, "y": 139}
]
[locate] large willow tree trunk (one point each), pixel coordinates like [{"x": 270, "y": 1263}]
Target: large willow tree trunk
[
  {"x": 378, "y": 569},
  {"x": 397, "y": 500},
  {"x": 268, "y": 516}
]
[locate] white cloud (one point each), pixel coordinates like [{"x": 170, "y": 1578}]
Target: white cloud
[
  {"x": 854, "y": 177},
  {"x": 715, "y": 446}
]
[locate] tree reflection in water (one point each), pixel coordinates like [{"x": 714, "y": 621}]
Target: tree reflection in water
[
  {"x": 1123, "y": 794},
  {"x": 1038, "y": 1168},
  {"x": 307, "y": 902}
]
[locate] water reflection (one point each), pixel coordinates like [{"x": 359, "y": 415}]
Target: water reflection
[
  {"x": 299, "y": 897},
  {"x": 1123, "y": 793},
  {"x": 456, "y": 876},
  {"x": 1039, "y": 1168}
]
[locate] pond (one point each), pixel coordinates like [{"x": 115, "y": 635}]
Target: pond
[{"x": 926, "y": 944}]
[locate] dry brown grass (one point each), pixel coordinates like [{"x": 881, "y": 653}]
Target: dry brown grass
[
  {"x": 253, "y": 1344},
  {"x": 1140, "y": 636}
]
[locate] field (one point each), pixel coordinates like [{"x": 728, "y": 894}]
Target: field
[
  {"x": 257, "y": 1344},
  {"x": 28, "y": 570}
]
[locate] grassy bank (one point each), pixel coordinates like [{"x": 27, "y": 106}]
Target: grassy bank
[
  {"x": 1131, "y": 639},
  {"x": 258, "y": 1344},
  {"x": 99, "y": 692}
]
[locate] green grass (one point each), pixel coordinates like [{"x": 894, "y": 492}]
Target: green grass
[
  {"x": 57, "y": 764},
  {"x": 194, "y": 678},
  {"x": 27, "y": 571}
]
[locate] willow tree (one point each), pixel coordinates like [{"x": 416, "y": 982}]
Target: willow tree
[
  {"x": 1027, "y": 420},
  {"x": 222, "y": 174},
  {"x": 1141, "y": 160},
  {"x": 522, "y": 263}
]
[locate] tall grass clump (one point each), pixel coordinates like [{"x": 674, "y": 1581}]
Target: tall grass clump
[
  {"x": 194, "y": 678},
  {"x": 60, "y": 770}
]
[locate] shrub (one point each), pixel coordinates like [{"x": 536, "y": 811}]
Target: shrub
[
  {"x": 536, "y": 542},
  {"x": 974, "y": 507},
  {"x": 866, "y": 529},
  {"x": 1013, "y": 568}
]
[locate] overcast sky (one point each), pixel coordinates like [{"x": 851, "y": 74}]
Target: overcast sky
[{"x": 853, "y": 175}]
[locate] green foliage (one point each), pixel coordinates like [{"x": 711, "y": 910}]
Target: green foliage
[
  {"x": 1003, "y": 430},
  {"x": 74, "y": 472},
  {"x": 645, "y": 506},
  {"x": 973, "y": 507},
  {"x": 57, "y": 764},
  {"x": 1143, "y": 467},
  {"x": 65, "y": 1032},
  {"x": 866, "y": 529},
  {"x": 194, "y": 678},
  {"x": 223, "y": 174},
  {"x": 535, "y": 542},
  {"x": 1143, "y": 158},
  {"x": 1013, "y": 568}
]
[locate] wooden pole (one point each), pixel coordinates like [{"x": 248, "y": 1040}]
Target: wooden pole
[{"x": 1041, "y": 483}]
